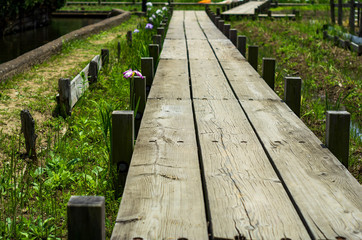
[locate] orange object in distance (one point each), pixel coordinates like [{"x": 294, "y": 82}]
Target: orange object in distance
[{"x": 205, "y": 1}]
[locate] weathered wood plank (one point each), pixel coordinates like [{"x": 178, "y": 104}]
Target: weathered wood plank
[
  {"x": 192, "y": 28},
  {"x": 226, "y": 50},
  {"x": 211, "y": 31},
  {"x": 174, "y": 49},
  {"x": 328, "y": 196},
  {"x": 163, "y": 193},
  {"x": 199, "y": 49},
  {"x": 245, "y": 196},
  {"x": 208, "y": 81},
  {"x": 245, "y": 9},
  {"x": 171, "y": 80}
]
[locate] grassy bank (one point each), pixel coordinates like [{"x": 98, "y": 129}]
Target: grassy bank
[
  {"x": 73, "y": 154},
  {"x": 331, "y": 75}
]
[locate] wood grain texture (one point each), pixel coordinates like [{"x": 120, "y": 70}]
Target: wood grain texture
[
  {"x": 163, "y": 195},
  {"x": 199, "y": 49},
  {"x": 245, "y": 9},
  {"x": 226, "y": 50},
  {"x": 174, "y": 49},
  {"x": 212, "y": 31},
  {"x": 328, "y": 196},
  {"x": 171, "y": 80},
  {"x": 208, "y": 81},
  {"x": 192, "y": 28},
  {"x": 245, "y": 196}
]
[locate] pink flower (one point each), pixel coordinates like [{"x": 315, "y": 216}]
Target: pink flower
[{"x": 130, "y": 73}]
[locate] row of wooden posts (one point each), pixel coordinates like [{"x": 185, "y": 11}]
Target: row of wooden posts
[
  {"x": 337, "y": 122},
  {"x": 353, "y": 6},
  {"x": 86, "y": 214}
]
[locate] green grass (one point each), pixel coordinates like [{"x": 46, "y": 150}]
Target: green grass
[{"x": 34, "y": 194}]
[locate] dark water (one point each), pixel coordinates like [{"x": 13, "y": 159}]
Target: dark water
[{"x": 14, "y": 45}]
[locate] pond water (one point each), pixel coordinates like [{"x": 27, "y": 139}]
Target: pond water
[{"x": 17, "y": 44}]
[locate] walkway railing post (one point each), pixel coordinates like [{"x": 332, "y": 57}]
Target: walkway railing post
[
  {"x": 157, "y": 39},
  {"x": 140, "y": 97},
  {"x": 226, "y": 30},
  {"x": 129, "y": 38},
  {"x": 351, "y": 16},
  {"x": 154, "y": 53},
  {"x": 333, "y": 19},
  {"x": 86, "y": 218},
  {"x": 147, "y": 71},
  {"x": 104, "y": 56},
  {"x": 269, "y": 71},
  {"x": 64, "y": 96},
  {"x": 233, "y": 35},
  {"x": 337, "y": 134},
  {"x": 28, "y": 129},
  {"x": 221, "y": 25},
  {"x": 340, "y": 12},
  {"x": 253, "y": 56},
  {"x": 93, "y": 72},
  {"x": 292, "y": 93},
  {"x": 241, "y": 45},
  {"x": 122, "y": 145},
  {"x": 218, "y": 11},
  {"x": 161, "y": 31}
]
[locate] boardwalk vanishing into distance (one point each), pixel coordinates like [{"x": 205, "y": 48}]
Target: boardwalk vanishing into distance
[
  {"x": 246, "y": 9},
  {"x": 219, "y": 155}
]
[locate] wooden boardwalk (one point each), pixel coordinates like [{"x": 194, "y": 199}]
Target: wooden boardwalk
[
  {"x": 220, "y": 156},
  {"x": 246, "y": 9}
]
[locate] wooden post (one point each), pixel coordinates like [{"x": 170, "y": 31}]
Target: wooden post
[
  {"x": 140, "y": 95},
  {"x": 147, "y": 71},
  {"x": 129, "y": 38},
  {"x": 226, "y": 30},
  {"x": 157, "y": 39},
  {"x": 360, "y": 24},
  {"x": 122, "y": 145},
  {"x": 105, "y": 56},
  {"x": 233, "y": 35},
  {"x": 269, "y": 13},
  {"x": 118, "y": 51},
  {"x": 241, "y": 45},
  {"x": 269, "y": 71},
  {"x": 217, "y": 19},
  {"x": 340, "y": 12},
  {"x": 337, "y": 134},
  {"x": 253, "y": 56},
  {"x": 154, "y": 53},
  {"x": 351, "y": 16},
  {"x": 86, "y": 218},
  {"x": 64, "y": 96},
  {"x": 221, "y": 25},
  {"x": 28, "y": 129},
  {"x": 161, "y": 31},
  {"x": 223, "y": 8},
  {"x": 144, "y": 7},
  {"x": 93, "y": 72},
  {"x": 218, "y": 11},
  {"x": 292, "y": 93}
]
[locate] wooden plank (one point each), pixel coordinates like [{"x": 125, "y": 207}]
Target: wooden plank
[
  {"x": 208, "y": 81},
  {"x": 245, "y": 196},
  {"x": 174, "y": 49},
  {"x": 192, "y": 28},
  {"x": 245, "y": 9},
  {"x": 226, "y": 50},
  {"x": 199, "y": 49},
  {"x": 163, "y": 194},
  {"x": 211, "y": 31},
  {"x": 328, "y": 196},
  {"x": 171, "y": 80}
]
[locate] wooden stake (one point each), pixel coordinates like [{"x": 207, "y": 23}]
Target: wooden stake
[
  {"x": 147, "y": 70},
  {"x": 140, "y": 95},
  {"x": 154, "y": 53},
  {"x": 28, "y": 129},
  {"x": 226, "y": 30},
  {"x": 129, "y": 38},
  {"x": 93, "y": 72},
  {"x": 122, "y": 145},
  {"x": 233, "y": 36},
  {"x": 351, "y": 16},
  {"x": 157, "y": 39},
  {"x": 221, "y": 25},
  {"x": 269, "y": 71},
  {"x": 218, "y": 11},
  {"x": 161, "y": 31},
  {"x": 241, "y": 45},
  {"x": 337, "y": 134},
  {"x": 118, "y": 51},
  {"x": 105, "y": 56},
  {"x": 86, "y": 218},
  {"x": 340, "y": 12},
  {"x": 64, "y": 96},
  {"x": 292, "y": 93},
  {"x": 253, "y": 56}
]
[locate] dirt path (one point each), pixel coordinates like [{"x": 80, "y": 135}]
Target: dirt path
[{"x": 36, "y": 89}]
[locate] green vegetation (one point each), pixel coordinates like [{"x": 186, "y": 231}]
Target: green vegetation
[
  {"x": 73, "y": 154},
  {"x": 331, "y": 75}
]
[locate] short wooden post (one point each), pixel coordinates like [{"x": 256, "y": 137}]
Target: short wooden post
[
  {"x": 161, "y": 31},
  {"x": 28, "y": 129},
  {"x": 227, "y": 6},
  {"x": 154, "y": 53},
  {"x": 333, "y": 19},
  {"x": 129, "y": 38},
  {"x": 226, "y": 30},
  {"x": 221, "y": 25},
  {"x": 118, "y": 50},
  {"x": 340, "y": 12},
  {"x": 93, "y": 72},
  {"x": 351, "y": 16},
  {"x": 217, "y": 19},
  {"x": 122, "y": 145},
  {"x": 337, "y": 134},
  {"x": 233, "y": 35},
  {"x": 104, "y": 56},
  {"x": 218, "y": 11},
  {"x": 147, "y": 70},
  {"x": 64, "y": 96},
  {"x": 144, "y": 6},
  {"x": 223, "y": 8},
  {"x": 140, "y": 96},
  {"x": 253, "y": 56},
  {"x": 86, "y": 218},
  {"x": 157, "y": 39},
  {"x": 292, "y": 93},
  {"x": 269, "y": 71},
  {"x": 241, "y": 45}
]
